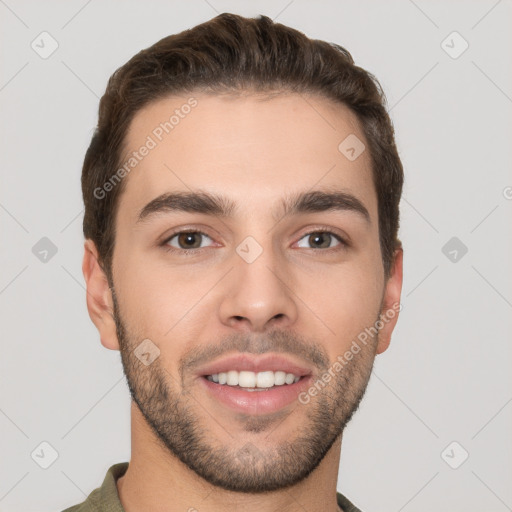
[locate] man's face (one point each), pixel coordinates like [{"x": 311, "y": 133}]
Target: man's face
[{"x": 254, "y": 283}]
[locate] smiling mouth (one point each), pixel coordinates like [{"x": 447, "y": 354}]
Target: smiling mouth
[
  {"x": 255, "y": 385},
  {"x": 254, "y": 381}
]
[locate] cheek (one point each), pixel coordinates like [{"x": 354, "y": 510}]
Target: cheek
[
  {"x": 141, "y": 290},
  {"x": 346, "y": 303},
  {"x": 160, "y": 301}
]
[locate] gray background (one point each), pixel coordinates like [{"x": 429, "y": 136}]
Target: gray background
[{"x": 446, "y": 376}]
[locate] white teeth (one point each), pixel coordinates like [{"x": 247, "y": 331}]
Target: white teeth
[
  {"x": 265, "y": 379},
  {"x": 279, "y": 378},
  {"x": 289, "y": 378},
  {"x": 232, "y": 378},
  {"x": 252, "y": 380},
  {"x": 247, "y": 380}
]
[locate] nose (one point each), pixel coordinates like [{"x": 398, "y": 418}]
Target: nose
[{"x": 258, "y": 294}]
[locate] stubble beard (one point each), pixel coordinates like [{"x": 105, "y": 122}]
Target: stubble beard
[{"x": 184, "y": 428}]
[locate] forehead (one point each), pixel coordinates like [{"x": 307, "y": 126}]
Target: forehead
[{"x": 250, "y": 147}]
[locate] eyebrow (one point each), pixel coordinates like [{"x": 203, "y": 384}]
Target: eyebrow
[{"x": 221, "y": 206}]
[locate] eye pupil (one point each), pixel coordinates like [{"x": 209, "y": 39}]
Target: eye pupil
[
  {"x": 184, "y": 238},
  {"x": 321, "y": 236}
]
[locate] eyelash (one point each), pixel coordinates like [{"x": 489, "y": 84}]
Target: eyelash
[{"x": 191, "y": 252}]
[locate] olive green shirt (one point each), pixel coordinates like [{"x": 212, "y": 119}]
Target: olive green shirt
[{"x": 106, "y": 498}]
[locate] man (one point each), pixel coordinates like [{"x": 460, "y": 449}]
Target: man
[{"x": 241, "y": 214}]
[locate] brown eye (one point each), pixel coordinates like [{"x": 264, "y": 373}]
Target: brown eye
[
  {"x": 186, "y": 240},
  {"x": 322, "y": 240}
]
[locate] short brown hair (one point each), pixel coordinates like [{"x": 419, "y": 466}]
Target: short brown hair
[{"x": 231, "y": 53}]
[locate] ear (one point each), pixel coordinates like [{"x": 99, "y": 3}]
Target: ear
[
  {"x": 391, "y": 301},
  {"x": 99, "y": 297}
]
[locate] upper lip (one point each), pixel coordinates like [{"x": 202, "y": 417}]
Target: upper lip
[{"x": 249, "y": 362}]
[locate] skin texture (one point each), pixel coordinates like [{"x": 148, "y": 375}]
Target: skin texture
[{"x": 305, "y": 297}]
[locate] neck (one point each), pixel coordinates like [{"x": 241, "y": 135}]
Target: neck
[{"x": 157, "y": 481}]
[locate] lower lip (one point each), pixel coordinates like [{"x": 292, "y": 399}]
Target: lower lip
[{"x": 257, "y": 402}]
